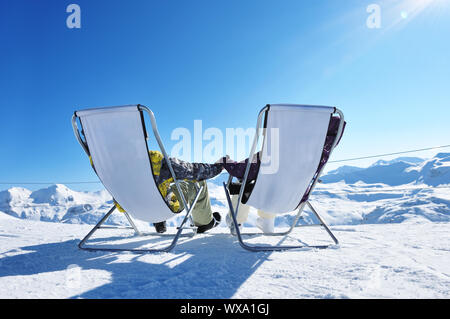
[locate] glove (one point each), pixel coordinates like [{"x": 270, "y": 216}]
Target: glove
[{"x": 223, "y": 160}]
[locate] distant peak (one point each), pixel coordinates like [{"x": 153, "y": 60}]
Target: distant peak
[
  {"x": 404, "y": 159},
  {"x": 16, "y": 189},
  {"x": 55, "y": 187}
]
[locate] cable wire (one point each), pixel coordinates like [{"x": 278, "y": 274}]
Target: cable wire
[
  {"x": 335, "y": 161},
  {"x": 388, "y": 154}
]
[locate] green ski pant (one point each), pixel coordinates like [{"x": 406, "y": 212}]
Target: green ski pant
[{"x": 201, "y": 213}]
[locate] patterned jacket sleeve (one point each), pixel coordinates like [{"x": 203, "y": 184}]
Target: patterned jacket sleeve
[
  {"x": 194, "y": 171},
  {"x": 237, "y": 169}
]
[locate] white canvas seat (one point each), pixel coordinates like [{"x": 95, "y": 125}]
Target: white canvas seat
[
  {"x": 115, "y": 141},
  {"x": 291, "y": 162}
]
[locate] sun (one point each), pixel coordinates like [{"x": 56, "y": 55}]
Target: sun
[
  {"x": 401, "y": 12},
  {"x": 411, "y": 8},
  {"x": 418, "y": 5}
]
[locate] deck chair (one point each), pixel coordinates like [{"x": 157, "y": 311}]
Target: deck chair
[
  {"x": 115, "y": 139},
  {"x": 295, "y": 149}
]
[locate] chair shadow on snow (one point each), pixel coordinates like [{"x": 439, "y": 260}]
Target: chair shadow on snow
[{"x": 206, "y": 266}]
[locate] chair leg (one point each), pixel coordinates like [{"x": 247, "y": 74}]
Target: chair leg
[
  {"x": 322, "y": 223},
  {"x": 136, "y": 230},
  {"x": 256, "y": 248},
  {"x": 82, "y": 246},
  {"x": 96, "y": 227}
]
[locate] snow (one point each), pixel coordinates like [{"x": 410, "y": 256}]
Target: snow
[
  {"x": 385, "y": 192},
  {"x": 362, "y": 203},
  {"x": 58, "y": 203},
  {"x": 407, "y": 260},
  {"x": 392, "y": 220},
  {"x": 338, "y": 203}
]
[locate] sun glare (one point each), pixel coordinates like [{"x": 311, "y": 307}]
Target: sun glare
[
  {"x": 415, "y": 7},
  {"x": 404, "y": 11}
]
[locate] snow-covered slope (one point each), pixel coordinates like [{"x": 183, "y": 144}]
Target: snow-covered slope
[
  {"x": 408, "y": 260},
  {"x": 386, "y": 192},
  {"x": 379, "y": 203},
  {"x": 393, "y": 232},
  {"x": 406, "y": 188}
]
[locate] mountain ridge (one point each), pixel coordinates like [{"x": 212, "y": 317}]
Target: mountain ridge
[
  {"x": 388, "y": 192},
  {"x": 432, "y": 172}
]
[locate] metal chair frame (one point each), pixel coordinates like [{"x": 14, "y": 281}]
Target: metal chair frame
[
  {"x": 234, "y": 210},
  {"x": 188, "y": 208}
]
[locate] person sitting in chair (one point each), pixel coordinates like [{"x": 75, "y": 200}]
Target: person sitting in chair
[
  {"x": 188, "y": 175},
  {"x": 265, "y": 220}
]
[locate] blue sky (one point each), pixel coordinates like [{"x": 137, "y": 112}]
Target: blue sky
[{"x": 219, "y": 61}]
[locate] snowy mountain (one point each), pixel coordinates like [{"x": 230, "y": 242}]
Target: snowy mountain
[
  {"x": 405, "y": 257},
  {"x": 411, "y": 160},
  {"x": 404, "y": 189},
  {"x": 403, "y": 170},
  {"x": 57, "y": 203}
]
